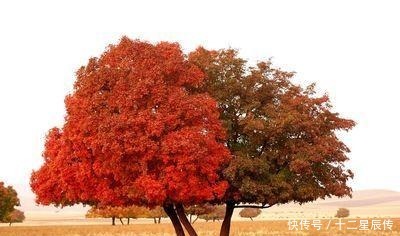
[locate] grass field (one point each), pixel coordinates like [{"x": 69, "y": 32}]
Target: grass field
[{"x": 211, "y": 228}]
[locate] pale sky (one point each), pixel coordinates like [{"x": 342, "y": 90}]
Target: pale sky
[{"x": 351, "y": 49}]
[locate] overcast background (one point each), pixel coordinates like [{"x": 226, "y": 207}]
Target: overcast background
[{"x": 351, "y": 49}]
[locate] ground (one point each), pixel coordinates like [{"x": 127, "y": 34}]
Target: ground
[{"x": 240, "y": 228}]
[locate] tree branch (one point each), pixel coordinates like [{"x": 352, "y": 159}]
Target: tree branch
[{"x": 254, "y": 206}]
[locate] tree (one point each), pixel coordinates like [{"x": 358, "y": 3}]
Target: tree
[
  {"x": 156, "y": 213},
  {"x": 282, "y": 136},
  {"x": 250, "y": 213},
  {"x": 8, "y": 200},
  {"x": 108, "y": 212},
  {"x": 16, "y": 216},
  {"x": 198, "y": 210},
  {"x": 130, "y": 212},
  {"x": 134, "y": 134},
  {"x": 217, "y": 213},
  {"x": 342, "y": 213}
]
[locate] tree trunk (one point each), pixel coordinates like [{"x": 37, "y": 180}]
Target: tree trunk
[
  {"x": 113, "y": 220},
  {"x": 182, "y": 216},
  {"x": 120, "y": 219},
  {"x": 190, "y": 218},
  {"x": 128, "y": 220},
  {"x": 251, "y": 218},
  {"x": 9, "y": 224},
  {"x": 155, "y": 220},
  {"x": 159, "y": 220},
  {"x": 226, "y": 224},
  {"x": 169, "y": 209}
]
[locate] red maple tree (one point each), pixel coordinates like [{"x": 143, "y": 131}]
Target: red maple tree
[{"x": 134, "y": 134}]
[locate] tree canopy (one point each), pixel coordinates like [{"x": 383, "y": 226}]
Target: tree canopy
[
  {"x": 206, "y": 212},
  {"x": 342, "y": 213},
  {"x": 215, "y": 213},
  {"x": 147, "y": 125},
  {"x": 283, "y": 137},
  {"x": 250, "y": 213},
  {"x": 134, "y": 134},
  {"x": 8, "y": 201},
  {"x": 16, "y": 216},
  {"x": 129, "y": 212}
]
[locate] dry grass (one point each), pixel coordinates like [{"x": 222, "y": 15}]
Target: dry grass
[{"x": 207, "y": 229}]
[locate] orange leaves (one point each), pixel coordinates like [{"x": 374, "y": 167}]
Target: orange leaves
[
  {"x": 171, "y": 58},
  {"x": 134, "y": 133},
  {"x": 125, "y": 212},
  {"x": 153, "y": 190},
  {"x": 300, "y": 166},
  {"x": 144, "y": 126}
]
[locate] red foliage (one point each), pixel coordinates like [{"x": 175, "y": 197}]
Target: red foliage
[{"x": 133, "y": 133}]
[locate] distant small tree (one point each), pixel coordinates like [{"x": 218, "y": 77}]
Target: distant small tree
[
  {"x": 217, "y": 213},
  {"x": 250, "y": 213},
  {"x": 198, "y": 210},
  {"x": 16, "y": 216},
  {"x": 342, "y": 213},
  {"x": 155, "y": 213},
  {"x": 132, "y": 212},
  {"x": 106, "y": 212},
  {"x": 8, "y": 200}
]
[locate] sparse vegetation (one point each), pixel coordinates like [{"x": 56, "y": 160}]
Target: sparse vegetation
[{"x": 342, "y": 213}]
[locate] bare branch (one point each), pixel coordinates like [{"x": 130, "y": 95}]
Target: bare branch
[{"x": 254, "y": 206}]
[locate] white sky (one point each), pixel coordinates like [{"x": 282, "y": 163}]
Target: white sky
[{"x": 350, "y": 48}]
